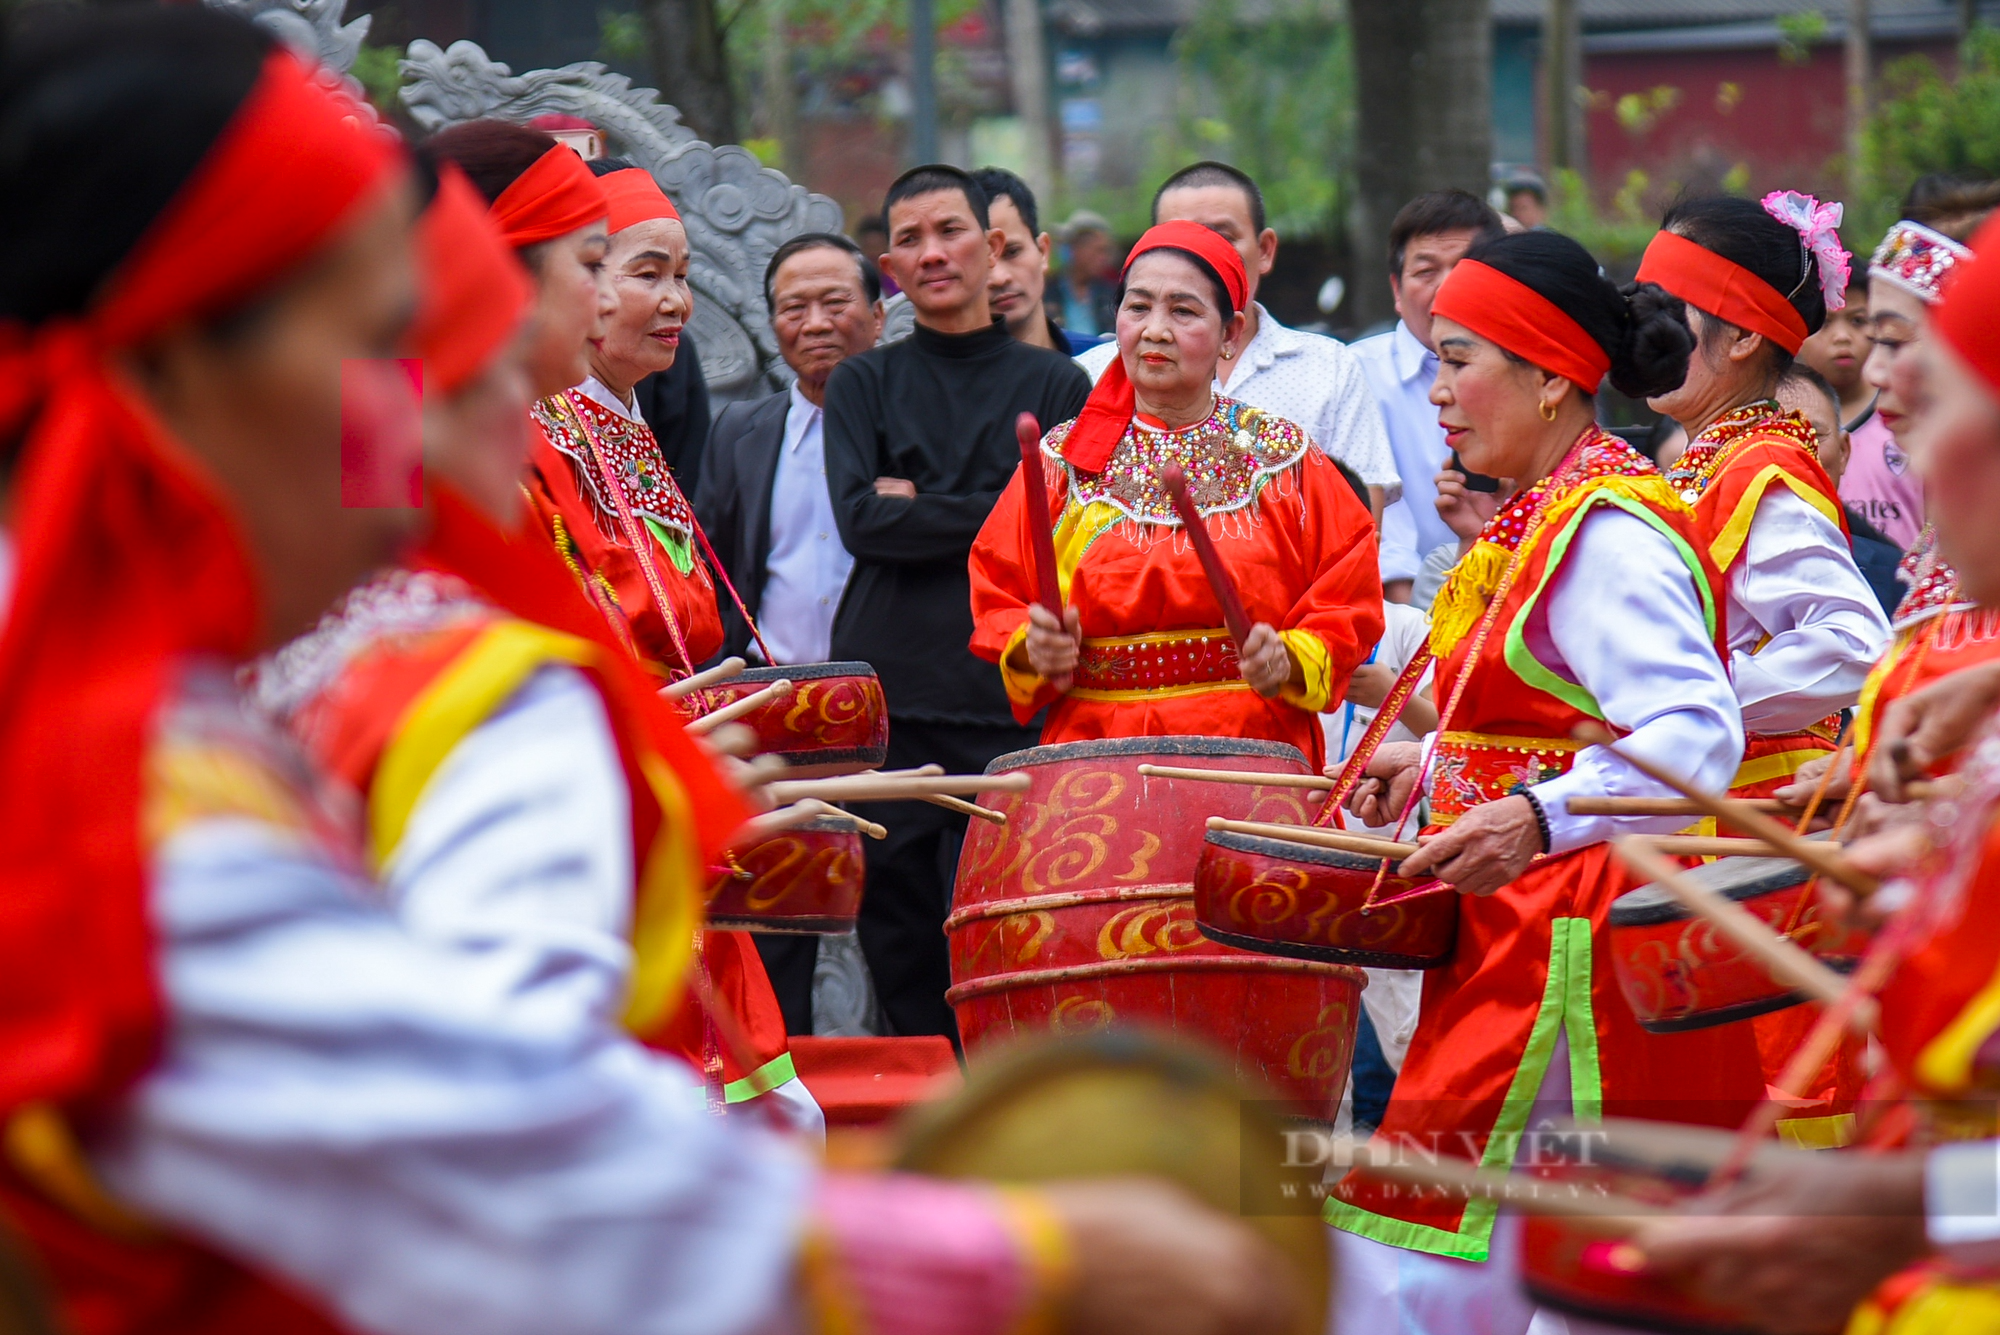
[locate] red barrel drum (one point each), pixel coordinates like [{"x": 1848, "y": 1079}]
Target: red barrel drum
[
  {"x": 1077, "y": 915},
  {"x": 1282, "y": 898},
  {"x": 834, "y": 723},
  {"x": 803, "y": 880},
  {"x": 1679, "y": 973}
]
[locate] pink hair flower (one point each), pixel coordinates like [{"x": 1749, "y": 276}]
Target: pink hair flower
[{"x": 1816, "y": 224}]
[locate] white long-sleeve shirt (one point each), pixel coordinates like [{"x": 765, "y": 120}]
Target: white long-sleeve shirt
[
  {"x": 435, "y": 1135},
  {"x": 1804, "y": 628},
  {"x": 1623, "y": 620}
]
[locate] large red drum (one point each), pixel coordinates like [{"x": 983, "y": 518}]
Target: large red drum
[
  {"x": 1679, "y": 973},
  {"x": 803, "y": 880},
  {"x": 1077, "y": 915},
  {"x": 834, "y": 723},
  {"x": 1282, "y": 898}
]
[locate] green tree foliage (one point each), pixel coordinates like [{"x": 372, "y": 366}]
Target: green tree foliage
[
  {"x": 377, "y": 71},
  {"x": 1925, "y": 122},
  {"x": 1274, "y": 96}
]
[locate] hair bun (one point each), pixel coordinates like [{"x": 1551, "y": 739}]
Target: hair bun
[{"x": 1653, "y": 357}]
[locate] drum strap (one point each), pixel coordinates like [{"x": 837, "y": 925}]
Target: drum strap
[
  {"x": 708, "y": 550},
  {"x": 1385, "y": 718}
]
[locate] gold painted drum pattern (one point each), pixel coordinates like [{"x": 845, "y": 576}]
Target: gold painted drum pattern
[
  {"x": 835, "y": 721},
  {"x": 805, "y": 880},
  {"x": 1076, "y": 915}
]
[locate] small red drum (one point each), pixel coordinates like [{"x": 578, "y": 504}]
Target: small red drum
[
  {"x": 1076, "y": 915},
  {"x": 1282, "y": 898},
  {"x": 803, "y": 880},
  {"x": 1679, "y": 973},
  {"x": 1579, "y": 1267},
  {"x": 834, "y": 723}
]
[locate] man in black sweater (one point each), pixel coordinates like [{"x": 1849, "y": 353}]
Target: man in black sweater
[{"x": 919, "y": 443}]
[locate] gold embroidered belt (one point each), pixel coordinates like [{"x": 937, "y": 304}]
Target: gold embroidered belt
[
  {"x": 1168, "y": 662},
  {"x": 1470, "y": 769},
  {"x": 1779, "y": 755}
]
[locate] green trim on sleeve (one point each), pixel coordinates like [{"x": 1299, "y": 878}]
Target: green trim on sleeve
[{"x": 763, "y": 1080}]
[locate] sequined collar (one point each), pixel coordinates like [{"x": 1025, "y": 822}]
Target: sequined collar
[
  {"x": 1706, "y": 455},
  {"x": 1227, "y": 458},
  {"x": 1597, "y": 453},
  {"x": 1933, "y": 584},
  {"x": 590, "y": 433}
]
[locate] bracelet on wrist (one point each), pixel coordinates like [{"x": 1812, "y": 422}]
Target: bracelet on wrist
[{"x": 1541, "y": 817}]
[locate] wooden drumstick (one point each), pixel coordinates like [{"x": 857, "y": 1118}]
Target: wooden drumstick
[
  {"x": 1233, "y": 614},
  {"x": 1315, "y": 837},
  {"x": 731, "y": 739},
  {"x": 687, "y": 686},
  {"x": 910, "y": 788},
  {"x": 1717, "y": 846},
  {"x": 749, "y": 704},
  {"x": 1519, "y": 1191},
  {"x": 1245, "y": 777},
  {"x": 1656, "y": 806},
  {"x": 1786, "y": 962},
  {"x": 1817, "y": 856},
  {"x": 867, "y": 827},
  {"x": 965, "y": 808},
  {"x": 1041, "y": 530}
]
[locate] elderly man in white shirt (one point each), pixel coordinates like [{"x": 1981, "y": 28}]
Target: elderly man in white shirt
[
  {"x": 1429, "y": 235},
  {"x": 764, "y": 504},
  {"x": 1308, "y": 378}
]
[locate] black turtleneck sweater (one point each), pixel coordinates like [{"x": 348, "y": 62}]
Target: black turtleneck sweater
[{"x": 938, "y": 410}]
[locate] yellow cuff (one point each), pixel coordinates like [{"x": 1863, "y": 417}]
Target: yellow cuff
[
  {"x": 1047, "y": 1255},
  {"x": 1022, "y": 684},
  {"x": 1317, "y": 666}
]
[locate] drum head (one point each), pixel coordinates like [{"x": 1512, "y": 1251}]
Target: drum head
[
  {"x": 1123, "y": 1104},
  {"x": 801, "y": 672},
  {"x": 1734, "y": 878}
]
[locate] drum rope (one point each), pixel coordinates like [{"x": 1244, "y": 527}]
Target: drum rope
[{"x": 708, "y": 550}]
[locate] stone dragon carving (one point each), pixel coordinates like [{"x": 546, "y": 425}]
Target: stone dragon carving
[{"x": 737, "y": 211}]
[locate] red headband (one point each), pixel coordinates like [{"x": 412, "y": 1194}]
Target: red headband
[
  {"x": 1963, "y": 317},
  {"x": 475, "y": 290},
  {"x": 1723, "y": 288},
  {"x": 1521, "y": 320},
  {"x": 1108, "y": 411},
  {"x": 131, "y": 564},
  {"x": 552, "y": 198},
  {"x": 636, "y": 197}
]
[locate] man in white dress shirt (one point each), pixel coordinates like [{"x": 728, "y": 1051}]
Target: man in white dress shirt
[
  {"x": 764, "y": 504},
  {"x": 1309, "y": 378},
  {"x": 1430, "y": 234}
]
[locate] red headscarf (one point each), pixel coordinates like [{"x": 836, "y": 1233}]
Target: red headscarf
[
  {"x": 552, "y": 198},
  {"x": 475, "y": 290},
  {"x": 635, "y": 197},
  {"x": 1521, "y": 320},
  {"x": 1108, "y": 411},
  {"x": 129, "y": 560},
  {"x": 1723, "y": 288},
  {"x": 1964, "y": 316}
]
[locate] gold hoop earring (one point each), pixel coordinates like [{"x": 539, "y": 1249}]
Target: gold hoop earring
[{"x": 1548, "y": 412}]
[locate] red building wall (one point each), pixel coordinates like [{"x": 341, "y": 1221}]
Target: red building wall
[{"x": 1784, "y": 122}]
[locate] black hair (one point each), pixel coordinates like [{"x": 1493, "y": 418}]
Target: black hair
[
  {"x": 1642, "y": 327},
  {"x": 1798, "y": 373},
  {"x": 1956, "y": 207},
  {"x": 871, "y": 278},
  {"x": 1440, "y": 211},
  {"x": 929, "y": 180},
  {"x": 1204, "y": 174},
  {"x": 999, "y": 183},
  {"x": 1222, "y": 301},
  {"x": 492, "y": 153},
  {"x": 1741, "y": 232},
  {"x": 606, "y": 166},
  {"x": 104, "y": 116}
]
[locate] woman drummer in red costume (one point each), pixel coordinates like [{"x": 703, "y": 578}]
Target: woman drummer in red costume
[
  {"x": 1585, "y": 599},
  {"x": 1140, "y": 649}
]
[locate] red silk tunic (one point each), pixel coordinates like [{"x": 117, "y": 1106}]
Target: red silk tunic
[
  {"x": 618, "y": 518},
  {"x": 364, "y": 711},
  {"x": 1156, "y": 658},
  {"x": 1724, "y": 475},
  {"x": 1937, "y": 634},
  {"x": 1531, "y": 961}
]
